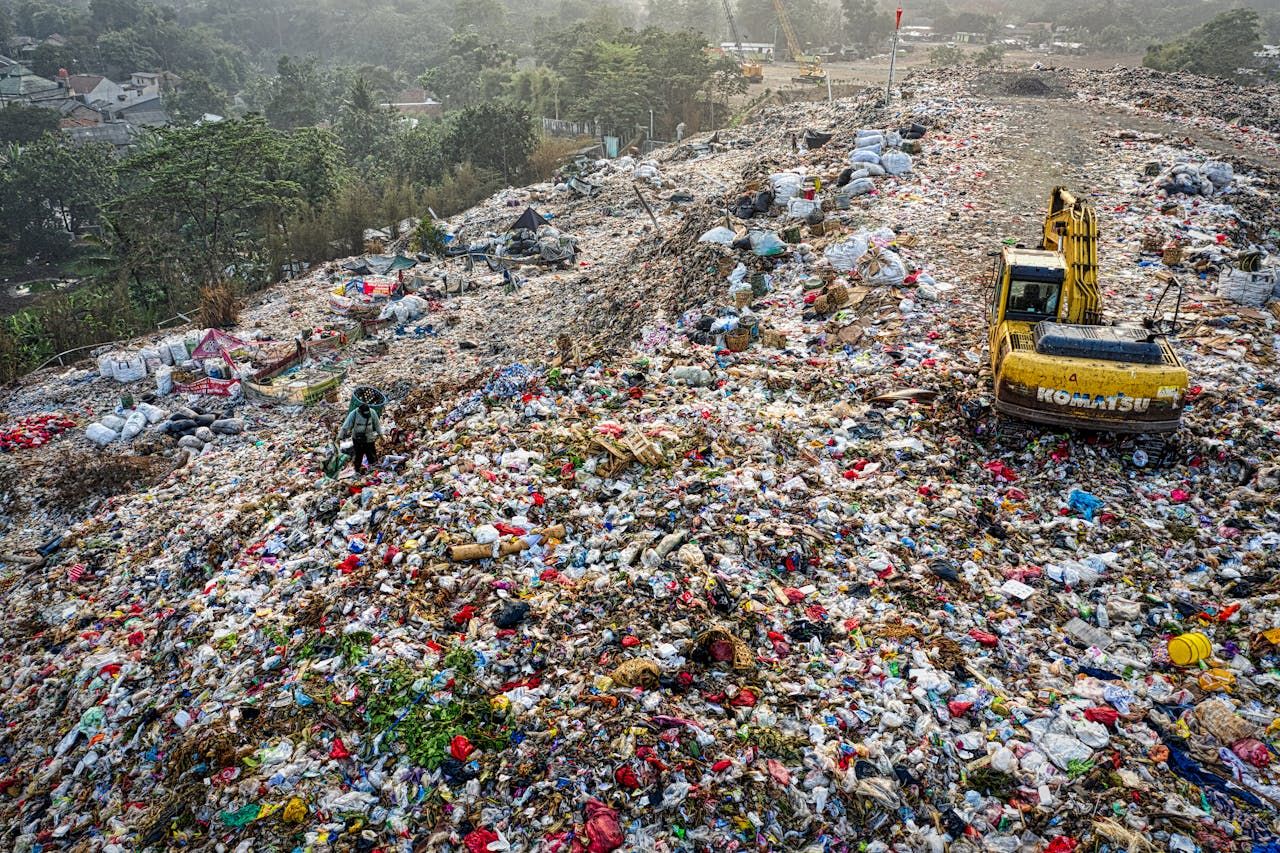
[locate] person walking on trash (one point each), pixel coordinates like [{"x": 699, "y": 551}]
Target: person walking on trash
[{"x": 365, "y": 428}]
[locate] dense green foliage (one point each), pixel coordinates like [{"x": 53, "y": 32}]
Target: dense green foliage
[{"x": 1223, "y": 47}]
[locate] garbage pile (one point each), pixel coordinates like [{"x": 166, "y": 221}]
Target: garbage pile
[{"x": 710, "y": 542}]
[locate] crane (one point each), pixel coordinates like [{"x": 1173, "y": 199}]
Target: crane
[
  {"x": 753, "y": 71},
  {"x": 811, "y": 70}
]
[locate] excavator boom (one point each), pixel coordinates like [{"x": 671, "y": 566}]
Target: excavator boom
[
  {"x": 811, "y": 70},
  {"x": 751, "y": 70}
]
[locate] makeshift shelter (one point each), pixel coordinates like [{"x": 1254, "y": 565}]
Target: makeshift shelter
[
  {"x": 379, "y": 264},
  {"x": 218, "y": 344},
  {"x": 530, "y": 220}
]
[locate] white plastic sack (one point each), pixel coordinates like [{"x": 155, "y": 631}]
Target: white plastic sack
[
  {"x": 164, "y": 380},
  {"x": 896, "y": 162},
  {"x": 882, "y": 268},
  {"x": 128, "y": 367},
  {"x": 1219, "y": 173},
  {"x": 844, "y": 255},
  {"x": 864, "y": 155},
  {"x": 859, "y": 186},
  {"x": 720, "y": 235},
  {"x": 178, "y": 351},
  {"x": 1247, "y": 288},
  {"x": 113, "y": 422},
  {"x": 133, "y": 425},
  {"x": 151, "y": 355},
  {"x": 800, "y": 208},
  {"x": 404, "y": 310},
  {"x": 785, "y": 185},
  {"x": 106, "y": 363},
  {"x": 153, "y": 414},
  {"x": 100, "y": 435}
]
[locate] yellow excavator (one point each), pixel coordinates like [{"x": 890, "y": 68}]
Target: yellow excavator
[
  {"x": 811, "y": 70},
  {"x": 752, "y": 70},
  {"x": 1053, "y": 359}
]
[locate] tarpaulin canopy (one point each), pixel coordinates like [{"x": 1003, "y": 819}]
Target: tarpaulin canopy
[
  {"x": 530, "y": 220},
  {"x": 379, "y": 264},
  {"x": 217, "y": 343}
]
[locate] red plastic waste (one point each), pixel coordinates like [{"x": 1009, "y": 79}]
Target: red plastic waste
[{"x": 604, "y": 834}]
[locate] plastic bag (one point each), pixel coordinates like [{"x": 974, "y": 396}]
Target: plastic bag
[
  {"x": 785, "y": 185},
  {"x": 720, "y": 235},
  {"x": 128, "y": 367},
  {"x": 864, "y": 155},
  {"x": 164, "y": 380},
  {"x": 844, "y": 255},
  {"x": 333, "y": 462},
  {"x": 767, "y": 244},
  {"x": 882, "y": 268},
  {"x": 802, "y": 208},
  {"x": 1219, "y": 173},
  {"x": 133, "y": 425},
  {"x": 896, "y": 162},
  {"x": 100, "y": 435},
  {"x": 153, "y": 414},
  {"x": 860, "y": 186}
]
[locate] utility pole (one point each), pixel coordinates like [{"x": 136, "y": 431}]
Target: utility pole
[{"x": 893, "y": 56}]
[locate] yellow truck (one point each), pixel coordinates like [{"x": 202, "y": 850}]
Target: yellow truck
[{"x": 1053, "y": 359}]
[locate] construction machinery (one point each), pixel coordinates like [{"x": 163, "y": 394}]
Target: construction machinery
[
  {"x": 1053, "y": 359},
  {"x": 752, "y": 70},
  {"x": 811, "y": 70}
]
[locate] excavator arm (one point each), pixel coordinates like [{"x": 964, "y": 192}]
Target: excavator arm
[{"x": 1071, "y": 228}]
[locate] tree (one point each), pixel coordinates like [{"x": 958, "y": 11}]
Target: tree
[
  {"x": 493, "y": 136},
  {"x": 294, "y": 98},
  {"x": 107, "y": 15},
  {"x": 676, "y": 70},
  {"x": 992, "y": 54},
  {"x": 1219, "y": 48},
  {"x": 313, "y": 161},
  {"x": 22, "y": 124},
  {"x": 197, "y": 201},
  {"x": 364, "y": 126},
  {"x": 472, "y": 70},
  {"x": 195, "y": 98},
  {"x": 51, "y": 190},
  {"x": 703, "y": 16},
  {"x": 865, "y": 23},
  {"x": 126, "y": 51},
  {"x": 944, "y": 55},
  {"x": 48, "y": 59},
  {"x": 6, "y": 24},
  {"x": 605, "y": 79},
  {"x": 417, "y": 153},
  {"x": 43, "y": 18}
]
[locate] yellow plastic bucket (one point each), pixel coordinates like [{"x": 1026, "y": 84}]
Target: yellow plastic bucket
[{"x": 1189, "y": 649}]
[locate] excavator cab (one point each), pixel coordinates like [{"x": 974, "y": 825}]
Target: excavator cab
[{"x": 1053, "y": 359}]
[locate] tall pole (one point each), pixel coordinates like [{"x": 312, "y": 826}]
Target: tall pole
[
  {"x": 828, "y": 76},
  {"x": 893, "y": 56}
]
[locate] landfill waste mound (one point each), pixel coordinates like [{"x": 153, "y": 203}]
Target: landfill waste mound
[{"x": 694, "y": 528}]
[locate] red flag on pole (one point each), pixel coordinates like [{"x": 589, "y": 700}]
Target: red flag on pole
[{"x": 897, "y": 22}]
